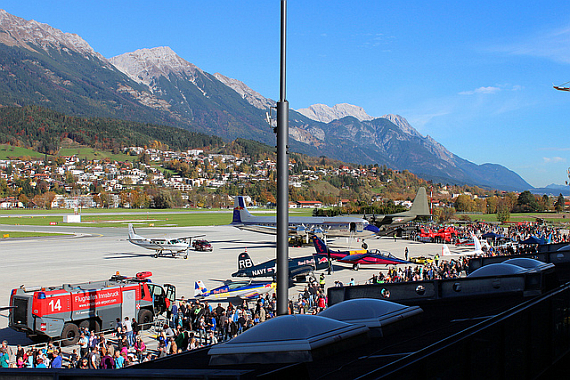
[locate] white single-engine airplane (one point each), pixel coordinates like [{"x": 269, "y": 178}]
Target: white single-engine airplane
[{"x": 175, "y": 246}]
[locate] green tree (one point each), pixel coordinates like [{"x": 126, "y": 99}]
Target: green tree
[
  {"x": 526, "y": 202},
  {"x": 503, "y": 211},
  {"x": 559, "y": 204}
]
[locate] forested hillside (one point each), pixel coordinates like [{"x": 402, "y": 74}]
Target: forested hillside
[{"x": 43, "y": 130}]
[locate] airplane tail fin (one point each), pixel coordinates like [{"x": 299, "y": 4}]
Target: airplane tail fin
[
  {"x": 241, "y": 214},
  {"x": 476, "y": 243},
  {"x": 199, "y": 288},
  {"x": 244, "y": 261},
  {"x": 420, "y": 207},
  {"x": 132, "y": 234},
  {"x": 320, "y": 246},
  {"x": 445, "y": 250}
]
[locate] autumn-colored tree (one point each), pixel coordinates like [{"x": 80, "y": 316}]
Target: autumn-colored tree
[{"x": 492, "y": 205}]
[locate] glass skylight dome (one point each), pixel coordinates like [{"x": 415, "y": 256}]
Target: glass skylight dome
[
  {"x": 288, "y": 339},
  {"x": 497, "y": 269},
  {"x": 373, "y": 313}
]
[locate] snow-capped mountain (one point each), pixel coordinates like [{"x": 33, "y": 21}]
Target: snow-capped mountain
[
  {"x": 326, "y": 114},
  {"x": 213, "y": 104},
  {"x": 146, "y": 65}
]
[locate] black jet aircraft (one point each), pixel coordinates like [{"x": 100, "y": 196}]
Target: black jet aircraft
[{"x": 299, "y": 267}]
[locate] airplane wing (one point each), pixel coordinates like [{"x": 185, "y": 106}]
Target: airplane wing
[
  {"x": 301, "y": 270},
  {"x": 372, "y": 258},
  {"x": 355, "y": 257},
  {"x": 272, "y": 230},
  {"x": 258, "y": 228},
  {"x": 190, "y": 237}
]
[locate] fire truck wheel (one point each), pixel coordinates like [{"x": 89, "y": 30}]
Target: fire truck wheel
[
  {"x": 90, "y": 324},
  {"x": 70, "y": 334},
  {"x": 145, "y": 319}
]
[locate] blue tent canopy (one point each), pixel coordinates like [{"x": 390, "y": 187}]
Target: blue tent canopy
[
  {"x": 492, "y": 235},
  {"x": 533, "y": 240}
]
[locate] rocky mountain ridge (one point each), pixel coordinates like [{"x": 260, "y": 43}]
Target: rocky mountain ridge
[
  {"x": 326, "y": 114},
  {"x": 252, "y": 97},
  {"x": 16, "y": 31}
]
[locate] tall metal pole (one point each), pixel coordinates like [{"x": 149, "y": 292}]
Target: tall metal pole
[{"x": 283, "y": 179}]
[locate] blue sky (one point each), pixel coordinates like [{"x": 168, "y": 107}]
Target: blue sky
[{"x": 475, "y": 76}]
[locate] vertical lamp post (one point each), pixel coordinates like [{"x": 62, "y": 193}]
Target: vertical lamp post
[{"x": 283, "y": 179}]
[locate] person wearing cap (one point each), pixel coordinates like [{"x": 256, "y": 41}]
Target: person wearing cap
[
  {"x": 322, "y": 281},
  {"x": 40, "y": 363},
  {"x": 4, "y": 358}
]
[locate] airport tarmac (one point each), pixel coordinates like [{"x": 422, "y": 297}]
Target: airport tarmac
[{"x": 94, "y": 253}]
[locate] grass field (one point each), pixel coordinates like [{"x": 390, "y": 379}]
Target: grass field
[
  {"x": 23, "y": 234},
  {"x": 92, "y": 154},
  {"x": 551, "y": 218},
  {"x": 7, "y": 151},
  {"x": 120, "y": 218}
]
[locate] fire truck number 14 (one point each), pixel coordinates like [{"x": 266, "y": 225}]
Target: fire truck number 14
[{"x": 56, "y": 306}]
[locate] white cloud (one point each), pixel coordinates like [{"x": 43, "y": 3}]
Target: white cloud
[
  {"x": 553, "y": 160},
  {"x": 481, "y": 90},
  {"x": 492, "y": 89},
  {"x": 551, "y": 44},
  {"x": 419, "y": 121},
  {"x": 556, "y": 149}
]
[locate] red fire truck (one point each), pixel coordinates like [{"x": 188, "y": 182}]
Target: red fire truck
[{"x": 58, "y": 312}]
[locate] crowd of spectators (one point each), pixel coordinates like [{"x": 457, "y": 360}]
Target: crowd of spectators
[
  {"x": 432, "y": 270},
  {"x": 93, "y": 351}
]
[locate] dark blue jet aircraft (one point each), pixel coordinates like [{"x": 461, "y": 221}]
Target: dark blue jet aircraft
[{"x": 299, "y": 267}]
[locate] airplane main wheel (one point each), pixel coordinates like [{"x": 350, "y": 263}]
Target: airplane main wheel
[
  {"x": 356, "y": 266},
  {"x": 156, "y": 255},
  {"x": 185, "y": 257}
]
